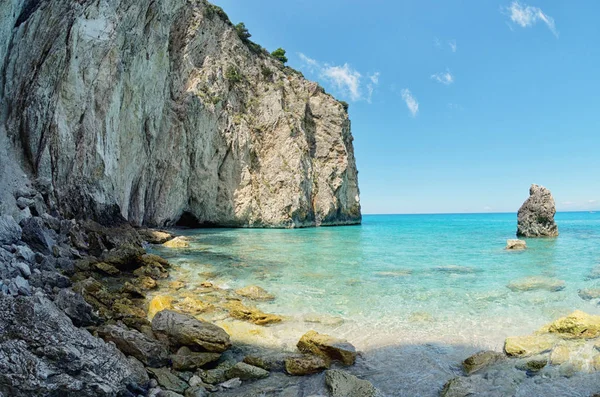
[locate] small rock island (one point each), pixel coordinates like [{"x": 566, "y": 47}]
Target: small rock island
[{"x": 536, "y": 216}]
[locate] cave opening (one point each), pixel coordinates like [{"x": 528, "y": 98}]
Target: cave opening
[{"x": 191, "y": 221}]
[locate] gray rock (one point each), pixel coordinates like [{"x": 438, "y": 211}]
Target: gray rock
[
  {"x": 245, "y": 371},
  {"x": 343, "y": 384},
  {"x": 481, "y": 360},
  {"x": 25, "y": 253},
  {"x": 187, "y": 360},
  {"x": 79, "y": 311},
  {"x": 168, "y": 380},
  {"x": 196, "y": 391},
  {"x": 169, "y": 393},
  {"x": 132, "y": 342},
  {"x": 536, "y": 216},
  {"x": 42, "y": 353},
  {"x": 10, "y": 231},
  {"x": 24, "y": 202},
  {"x": 36, "y": 235},
  {"x": 23, "y": 286},
  {"x": 231, "y": 383},
  {"x": 24, "y": 269},
  {"x": 184, "y": 330}
]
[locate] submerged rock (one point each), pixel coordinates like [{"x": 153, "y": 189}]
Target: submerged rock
[
  {"x": 589, "y": 293},
  {"x": 184, "y": 330},
  {"x": 481, "y": 360},
  {"x": 177, "y": 242},
  {"x": 327, "y": 346},
  {"x": 342, "y": 384},
  {"x": 245, "y": 371},
  {"x": 515, "y": 244},
  {"x": 536, "y": 216},
  {"x": 254, "y": 292},
  {"x": 523, "y": 346},
  {"x": 536, "y": 283},
  {"x": 247, "y": 313},
  {"x": 576, "y": 325}
]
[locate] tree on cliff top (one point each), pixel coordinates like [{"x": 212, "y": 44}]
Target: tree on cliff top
[{"x": 279, "y": 54}]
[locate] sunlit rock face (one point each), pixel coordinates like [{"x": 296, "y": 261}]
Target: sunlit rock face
[
  {"x": 536, "y": 215},
  {"x": 156, "y": 109}
]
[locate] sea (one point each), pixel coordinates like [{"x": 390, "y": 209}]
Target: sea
[{"x": 416, "y": 294}]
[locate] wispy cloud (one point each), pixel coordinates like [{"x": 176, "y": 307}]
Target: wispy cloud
[
  {"x": 452, "y": 44},
  {"x": 344, "y": 78},
  {"x": 445, "y": 78},
  {"x": 411, "y": 102},
  {"x": 371, "y": 86},
  {"x": 526, "y": 16}
]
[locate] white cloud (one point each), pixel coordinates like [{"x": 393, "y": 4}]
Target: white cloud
[
  {"x": 445, "y": 78},
  {"x": 344, "y": 78},
  {"x": 411, "y": 102},
  {"x": 452, "y": 44},
  {"x": 526, "y": 16}
]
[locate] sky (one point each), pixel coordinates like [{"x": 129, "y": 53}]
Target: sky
[{"x": 456, "y": 106}]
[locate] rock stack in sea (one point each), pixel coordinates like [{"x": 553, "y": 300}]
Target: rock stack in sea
[{"x": 536, "y": 216}]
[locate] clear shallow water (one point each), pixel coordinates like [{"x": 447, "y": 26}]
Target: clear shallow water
[{"x": 436, "y": 282}]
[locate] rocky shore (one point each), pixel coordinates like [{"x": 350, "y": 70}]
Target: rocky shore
[{"x": 85, "y": 311}]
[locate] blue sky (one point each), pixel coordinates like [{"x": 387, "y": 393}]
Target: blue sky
[{"x": 456, "y": 106}]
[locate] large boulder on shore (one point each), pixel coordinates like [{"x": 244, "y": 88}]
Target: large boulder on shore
[
  {"x": 328, "y": 347},
  {"x": 132, "y": 342},
  {"x": 536, "y": 216},
  {"x": 183, "y": 330},
  {"x": 42, "y": 354},
  {"x": 343, "y": 384}
]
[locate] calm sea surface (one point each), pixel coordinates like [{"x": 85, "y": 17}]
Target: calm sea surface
[{"x": 423, "y": 288}]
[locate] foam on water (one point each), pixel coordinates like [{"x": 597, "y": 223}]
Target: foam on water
[{"x": 427, "y": 288}]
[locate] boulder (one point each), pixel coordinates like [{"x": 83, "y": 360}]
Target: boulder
[
  {"x": 481, "y": 360},
  {"x": 187, "y": 360},
  {"x": 43, "y": 353},
  {"x": 516, "y": 244},
  {"x": 247, "y": 313},
  {"x": 245, "y": 371},
  {"x": 177, "y": 242},
  {"x": 523, "y": 346},
  {"x": 306, "y": 365},
  {"x": 327, "y": 346},
  {"x": 131, "y": 342},
  {"x": 196, "y": 391},
  {"x": 35, "y": 234},
  {"x": 258, "y": 362},
  {"x": 254, "y": 292},
  {"x": 10, "y": 231},
  {"x": 576, "y": 325},
  {"x": 342, "y": 384},
  {"x": 184, "y": 330},
  {"x": 153, "y": 236},
  {"x": 536, "y": 283},
  {"x": 536, "y": 216},
  {"x": 167, "y": 379}
]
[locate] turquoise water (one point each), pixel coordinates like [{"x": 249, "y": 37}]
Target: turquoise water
[{"x": 406, "y": 279}]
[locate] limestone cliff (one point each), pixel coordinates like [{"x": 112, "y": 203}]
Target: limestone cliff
[{"x": 157, "y": 109}]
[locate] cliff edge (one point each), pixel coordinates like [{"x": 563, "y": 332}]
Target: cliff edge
[{"x": 158, "y": 112}]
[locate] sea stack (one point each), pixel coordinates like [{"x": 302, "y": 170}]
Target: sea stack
[{"x": 536, "y": 215}]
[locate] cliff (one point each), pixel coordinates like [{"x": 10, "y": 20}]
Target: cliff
[{"x": 158, "y": 112}]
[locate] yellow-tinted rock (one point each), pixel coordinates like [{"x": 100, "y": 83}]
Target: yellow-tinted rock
[
  {"x": 177, "y": 242},
  {"x": 305, "y": 365},
  {"x": 193, "y": 306},
  {"x": 125, "y": 308},
  {"x": 327, "y": 346},
  {"x": 254, "y": 292},
  {"x": 242, "y": 312},
  {"x": 145, "y": 282},
  {"x": 515, "y": 244},
  {"x": 536, "y": 283},
  {"x": 158, "y": 303},
  {"x": 176, "y": 284},
  {"x": 576, "y": 325},
  {"x": 155, "y": 236},
  {"x": 523, "y": 346}
]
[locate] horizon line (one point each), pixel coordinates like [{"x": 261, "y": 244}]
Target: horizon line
[{"x": 463, "y": 213}]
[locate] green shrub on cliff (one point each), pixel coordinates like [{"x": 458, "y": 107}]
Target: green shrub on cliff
[
  {"x": 279, "y": 54},
  {"x": 242, "y": 32},
  {"x": 233, "y": 75},
  {"x": 345, "y": 105},
  {"x": 211, "y": 10}
]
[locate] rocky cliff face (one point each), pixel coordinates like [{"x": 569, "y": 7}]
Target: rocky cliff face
[
  {"x": 536, "y": 215},
  {"x": 157, "y": 110}
]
